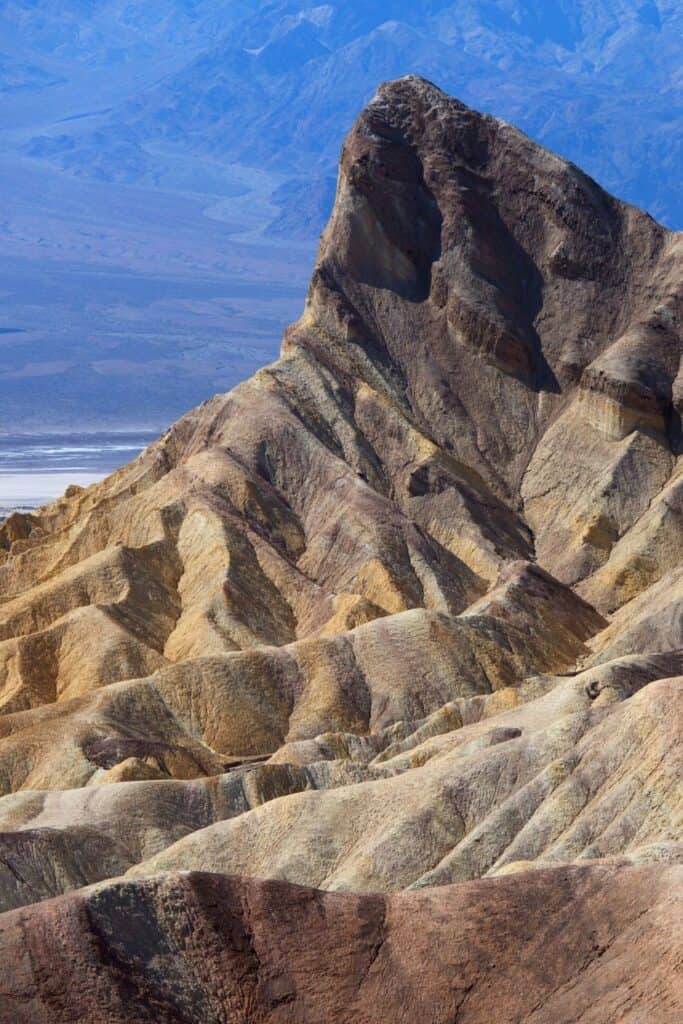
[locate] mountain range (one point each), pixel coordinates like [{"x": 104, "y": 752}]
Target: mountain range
[
  {"x": 280, "y": 83},
  {"x": 357, "y": 695}
]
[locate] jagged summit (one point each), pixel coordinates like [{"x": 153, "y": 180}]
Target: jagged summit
[
  {"x": 421, "y": 578},
  {"x": 458, "y": 249}
]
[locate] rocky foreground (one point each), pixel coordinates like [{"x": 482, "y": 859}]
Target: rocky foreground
[{"x": 402, "y": 612}]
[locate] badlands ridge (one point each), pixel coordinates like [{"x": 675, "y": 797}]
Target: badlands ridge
[{"x": 357, "y": 696}]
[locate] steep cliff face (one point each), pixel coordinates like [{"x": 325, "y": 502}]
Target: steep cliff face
[
  {"x": 495, "y": 289},
  {"x": 406, "y": 608}
]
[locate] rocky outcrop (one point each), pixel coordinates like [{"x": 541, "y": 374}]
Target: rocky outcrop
[{"x": 403, "y": 610}]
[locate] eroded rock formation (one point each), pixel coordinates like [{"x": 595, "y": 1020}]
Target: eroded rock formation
[
  {"x": 405, "y": 610},
  {"x": 550, "y": 947}
]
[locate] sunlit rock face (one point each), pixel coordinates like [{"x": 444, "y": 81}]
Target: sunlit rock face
[{"x": 402, "y": 611}]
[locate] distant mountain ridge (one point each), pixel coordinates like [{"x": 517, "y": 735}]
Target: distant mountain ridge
[{"x": 280, "y": 82}]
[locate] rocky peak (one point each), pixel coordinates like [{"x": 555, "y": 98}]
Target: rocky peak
[{"x": 480, "y": 278}]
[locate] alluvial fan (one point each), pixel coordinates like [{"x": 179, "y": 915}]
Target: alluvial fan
[{"x": 402, "y": 612}]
